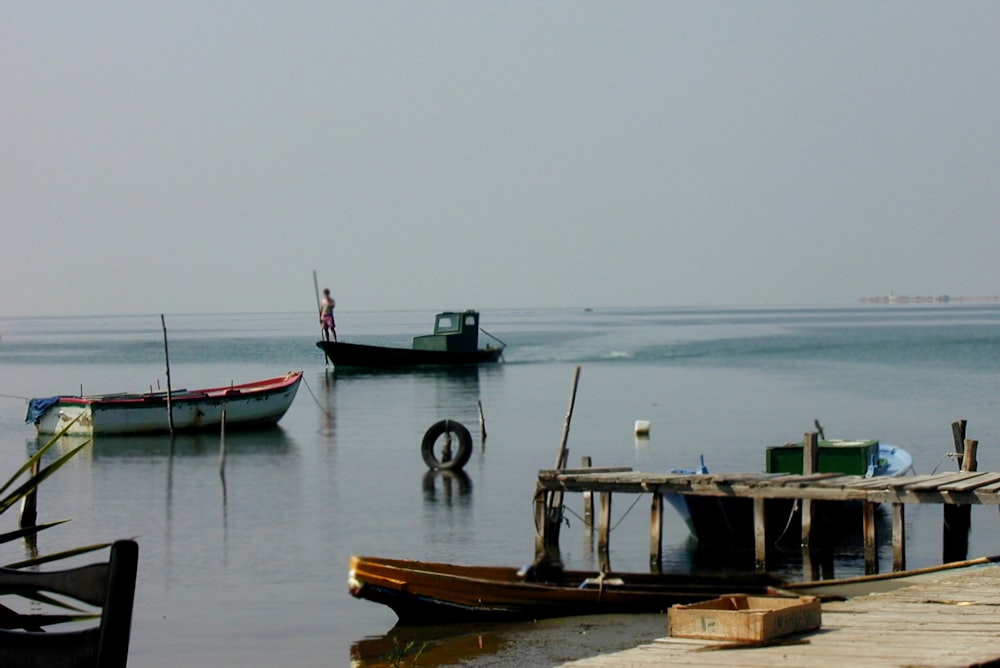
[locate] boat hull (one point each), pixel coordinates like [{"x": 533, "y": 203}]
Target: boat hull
[
  {"x": 355, "y": 355},
  {"x": 250, "y": 405},
  {"x": 423, "y": 593}
]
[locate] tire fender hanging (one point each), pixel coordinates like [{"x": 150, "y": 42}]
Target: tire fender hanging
[{"x": 447, "y": 428}]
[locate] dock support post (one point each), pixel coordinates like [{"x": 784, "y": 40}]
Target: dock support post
[
  {"x": 958, "y": 518},
  {"x": 588, "y": 515},
  {"x": 898, "y": 537},
  {"x": 810, "y": 452},
  {"x": 656, "y": 534},
  {"x": 604, "y": 532},
  {"x": 541, "y": 521},
  {"x": 871, "y": 537},
  {"x": 759, "y": 535}
]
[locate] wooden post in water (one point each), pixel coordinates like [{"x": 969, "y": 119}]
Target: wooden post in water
[
  {"x": 759, "y": 535},
  {"x": 553, "y": 520},
  {"x": 604, "y": 533},
  {"x": 810, "y": 455},
  {"x": 871, "y": 537},
  {"x": 588, "y": 513},
  {"x": 958, "y": 518},
  {"x": 166, "y": 355},
  {"x": 482, "y": 421},
  {"x": 898, "y": 537},
  {"x": 588, "y": 500},
  {"x": 222, "y": 447},
  {"x": 541, "y": 522},
  {"x": 656, "y": 534},
  {"x": 29, "y": 502}
]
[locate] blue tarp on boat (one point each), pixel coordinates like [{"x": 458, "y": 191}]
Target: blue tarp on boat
[{"x": 37, "y": 407}]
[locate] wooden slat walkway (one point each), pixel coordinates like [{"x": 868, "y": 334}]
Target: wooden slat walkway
[
  {"x": 948, "y": 489},
  {"x": 947, "y": 619},
  {"x": 945, "y": 488}
]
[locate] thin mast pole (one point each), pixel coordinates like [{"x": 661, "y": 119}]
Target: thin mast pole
[{"x": 166, "y": 355}]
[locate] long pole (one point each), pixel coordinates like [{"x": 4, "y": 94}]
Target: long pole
[
  {"x": 553, "y": 514},
  {"x": 319, "y": 309},
  {"x": 166, "y": 355},
  {"x": 563, "y": 450}
]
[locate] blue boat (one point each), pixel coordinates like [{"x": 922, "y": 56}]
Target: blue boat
[{"x": 718, "y": 521}]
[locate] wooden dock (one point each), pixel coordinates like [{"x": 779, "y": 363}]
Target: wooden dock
[
  {"x": 951, "y": 490},
  {"x": 946, "y": 619}
]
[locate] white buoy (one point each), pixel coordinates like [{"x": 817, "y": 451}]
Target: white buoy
[{"x": 642, "y": 427}]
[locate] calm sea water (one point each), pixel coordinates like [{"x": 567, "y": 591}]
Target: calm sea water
[{"x": 248, "y": 564}]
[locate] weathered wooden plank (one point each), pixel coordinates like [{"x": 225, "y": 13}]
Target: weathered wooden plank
[
  {"x": 935, "y": 482},
  {"x": 916, "y": 625},
  {"x": 972, "y": 483}
]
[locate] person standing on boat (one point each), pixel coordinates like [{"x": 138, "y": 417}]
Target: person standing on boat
[{"x": 326, "y": 306}]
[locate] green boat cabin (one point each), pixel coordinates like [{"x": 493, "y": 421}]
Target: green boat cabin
[
  {"x": 834, "y": 456},
  {"x": 453, "y": 332}
]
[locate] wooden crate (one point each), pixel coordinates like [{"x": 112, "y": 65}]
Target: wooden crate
[{"x": 744, "y": 618}]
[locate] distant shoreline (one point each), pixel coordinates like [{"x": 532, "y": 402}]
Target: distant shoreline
[{"x": 940, "y": 299}]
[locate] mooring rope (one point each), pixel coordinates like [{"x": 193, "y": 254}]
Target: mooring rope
[
  {"x": 14, "y": 396},
  {"x": 565, "y": 509},
  {"x": 313, "y": 395}
]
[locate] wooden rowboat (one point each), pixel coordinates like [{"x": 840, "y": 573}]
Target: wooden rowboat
[
  {"x": 432, "y": 593},
  {"x": 424, "y": 593},
  {"x": 257, "y": 404}
]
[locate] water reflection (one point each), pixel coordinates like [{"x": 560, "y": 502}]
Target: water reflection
[
  {"x": 443, "y": 645},
  {"x": 270, "y": 441},
  {"x": 447, "y": 487}
]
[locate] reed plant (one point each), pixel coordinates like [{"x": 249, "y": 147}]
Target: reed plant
[{"x": 21, "y": 487}]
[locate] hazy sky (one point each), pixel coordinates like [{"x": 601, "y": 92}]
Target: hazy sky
[{"x": 175, "y": 157}]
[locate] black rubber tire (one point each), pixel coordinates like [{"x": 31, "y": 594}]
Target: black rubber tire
[{"x": 460, "y": 458}]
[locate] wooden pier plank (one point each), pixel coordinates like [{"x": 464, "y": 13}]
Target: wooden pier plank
[
  {"x": 973, "y": 482},
  {"x": 935, "y": 482},
  {"x": 948, "y": 620}
]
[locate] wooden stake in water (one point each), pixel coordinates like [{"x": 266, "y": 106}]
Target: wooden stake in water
[
  {"x": 166, "y": 355},
  {"x": 550, "y": 548},
  {"x": 222, "y": 446}
]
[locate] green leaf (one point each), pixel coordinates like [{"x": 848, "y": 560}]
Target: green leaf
[
  {"x": 28, "y": 531},
  {"x": 37, "y": 479},
  {"x": 58, "y": 555},
  {"x": 38, "y": 455}
]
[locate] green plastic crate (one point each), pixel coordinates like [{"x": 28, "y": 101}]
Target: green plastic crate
[{"x": 837, "y": 456}]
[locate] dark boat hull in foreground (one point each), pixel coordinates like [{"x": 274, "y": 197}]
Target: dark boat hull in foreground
[
  {"x": 381, "y": 357},
  {"x": 455, "y": 342},
  {"x": 431, "y": 593}
]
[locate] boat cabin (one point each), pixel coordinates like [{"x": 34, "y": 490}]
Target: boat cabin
[
  {"x": 453, "y": 332},
  {"x": 834, "y": 456}
]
